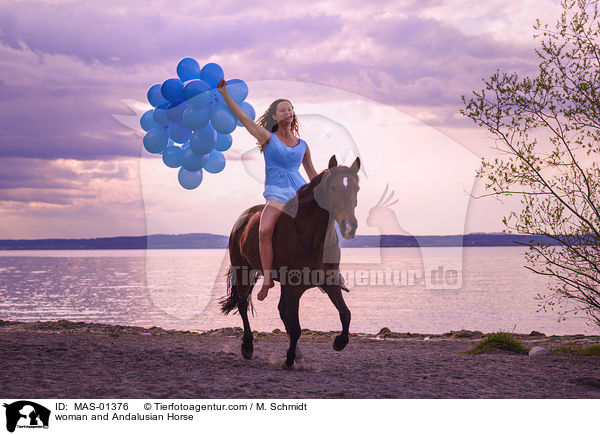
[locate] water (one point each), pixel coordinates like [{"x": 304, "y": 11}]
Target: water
[{"x": 179, "y": 289}]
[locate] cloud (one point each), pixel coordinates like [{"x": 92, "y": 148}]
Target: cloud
[
  {"x": 68, "y": 65},
  {"x": 57, "y": 181},
  {"x": 140, "y": 33}
]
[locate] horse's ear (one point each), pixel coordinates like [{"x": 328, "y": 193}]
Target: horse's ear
[
  {"x": 356, "y": 165},
  {"x": 332, "y": 161}
]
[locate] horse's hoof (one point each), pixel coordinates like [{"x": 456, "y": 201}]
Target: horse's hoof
[
  {"x": 340, "y": 343},
  {"x": 285, "y": 365},
  {"x": 247, "y": 352}
]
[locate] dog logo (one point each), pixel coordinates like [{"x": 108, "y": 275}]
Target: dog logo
[{"x": 26, "y": 414}]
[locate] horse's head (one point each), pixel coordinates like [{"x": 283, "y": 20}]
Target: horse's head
[{"x": 337, "y": 194}]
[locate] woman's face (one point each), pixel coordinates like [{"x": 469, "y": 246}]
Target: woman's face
[{"x": 284, "y": 113}]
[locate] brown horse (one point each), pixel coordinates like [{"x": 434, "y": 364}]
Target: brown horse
[{"x": 306, "y": 252}]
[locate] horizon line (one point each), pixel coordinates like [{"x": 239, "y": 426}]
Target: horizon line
[{"x": 222, "y": 235}]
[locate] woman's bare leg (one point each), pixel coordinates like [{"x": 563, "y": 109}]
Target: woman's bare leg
[{"x": 268, "y": 218}]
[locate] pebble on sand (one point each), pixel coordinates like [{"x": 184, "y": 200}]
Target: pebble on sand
[{"x": 538, "y": 351}]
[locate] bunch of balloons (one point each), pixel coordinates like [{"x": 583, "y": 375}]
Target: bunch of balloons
[{"x": 190, "y": 123}]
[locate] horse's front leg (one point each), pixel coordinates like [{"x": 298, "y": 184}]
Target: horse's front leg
[
  {"x": 335, "y": 295},
  {"x": 288, "y": 310}
]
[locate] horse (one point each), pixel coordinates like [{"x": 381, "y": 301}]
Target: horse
[{"x": 306, "y": 253}]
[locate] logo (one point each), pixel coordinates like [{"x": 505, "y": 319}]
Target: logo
[{"x": 26, "y": 414}]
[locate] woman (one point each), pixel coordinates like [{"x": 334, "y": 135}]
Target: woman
[{"x": 277, "y": 134}]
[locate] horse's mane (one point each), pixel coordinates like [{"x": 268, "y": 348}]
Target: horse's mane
[{"x": 306, "y": 194}]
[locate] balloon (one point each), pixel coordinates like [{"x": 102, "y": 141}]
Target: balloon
[
  {"x": 172, "y": 90},
  {"x": 195, "y": 118},
  {"x": 147, "y": 120},
  {"x": 203, "y": 141},
  {"x": 223, "y": 120},
  {"x": 224, "y": 142},
  {"x": 155, "y": 97},
  {"x": 186, "y": 145},
  {"x": 197, "y": 93},
  {"x": 188, "y": 69},
  {"x": 193, "y": 161},
  {"x": 218, "y": 100},
  {"x": 160, "y": 115},
  {"x": 212, "y": 74},
  {"x": 215, "y": 162},
  {"x": 173, "y": 156},
  {"x": 248, "y": 110},
  {"x": 179, "y": 132},
  {"x": 189, "y": 180},
  {"x": 238, "y": 89},
  {"x": 175, "y": 111},
  {"x": 155, "y": 141}
]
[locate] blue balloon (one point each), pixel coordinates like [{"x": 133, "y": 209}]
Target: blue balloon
[
  {"x": 155, "y": 97},
  {"x": 147, "y": 120},
  {"x": 197, "y": 93},
  {"x": 248, "y": 110},
  {"x": 195, "y": 118},
  {"x": 203, "y": 141},
  {"x": 215, "y": 162},
  {"x": 188, "y": 69},
  {"x": 179, "y": 132},
  {"x": 156, "y": 140},
  {"x": 175, "y": 111},
  {"x": 224, "y": 142},
  {"x": 186, "y": 145},
  {"x": 172, "y": 90},
  {"x": 223, "y": 120},
  {"x": 218, "y": 103},
  {"x": 212, "y": 74},
  {"x": 238, "y": 89},
  {"x": 193, "y": 161},
  {"x": 173, "y": 156},
  {"x": 160, "y": 115},
  {"x": 189, "y": 180}
]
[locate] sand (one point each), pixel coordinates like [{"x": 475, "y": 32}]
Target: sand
[{"x": 84, "y": 360}]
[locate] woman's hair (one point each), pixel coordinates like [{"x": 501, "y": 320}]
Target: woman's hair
[{"x": 271, "y": 125}]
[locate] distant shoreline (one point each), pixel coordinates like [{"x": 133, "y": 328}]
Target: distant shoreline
[
  {"x": 216, "y": 241},
  {"x": 71, "y": 326}
]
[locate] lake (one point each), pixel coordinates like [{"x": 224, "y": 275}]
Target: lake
[{"x": 482, "y": 288}]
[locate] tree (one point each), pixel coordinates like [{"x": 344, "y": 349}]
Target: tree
[{"x": 547, "y": 133}]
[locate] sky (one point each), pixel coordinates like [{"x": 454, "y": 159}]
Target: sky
[{"x": 379, "y": 80}]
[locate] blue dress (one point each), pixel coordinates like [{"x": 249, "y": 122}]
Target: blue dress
[{"x": 282, "y": 179}]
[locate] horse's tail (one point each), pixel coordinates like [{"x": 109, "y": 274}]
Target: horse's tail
[
  {"x": 229, "y": 302},
  {"x": 240, "y": 277}
]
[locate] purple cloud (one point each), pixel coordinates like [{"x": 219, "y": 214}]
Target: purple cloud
[
  {"x": 67, "y": 67},
  {"x": 89, "y": 31}
]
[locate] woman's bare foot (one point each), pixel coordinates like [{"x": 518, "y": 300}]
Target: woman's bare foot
[{"x": 264, "y": 291}]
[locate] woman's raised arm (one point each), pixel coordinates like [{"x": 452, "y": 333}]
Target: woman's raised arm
[{"x": 258, "y": 131}]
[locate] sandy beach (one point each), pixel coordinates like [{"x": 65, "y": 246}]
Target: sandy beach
[{"x": 86, "y": 360}]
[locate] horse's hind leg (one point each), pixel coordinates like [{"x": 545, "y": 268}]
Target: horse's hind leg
[
  {"x": 247, "y": 340},
  {"x": 244, "y": 291},
  {"x": 288, "y": 310},
  {"x": 240, "y": 282}
]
